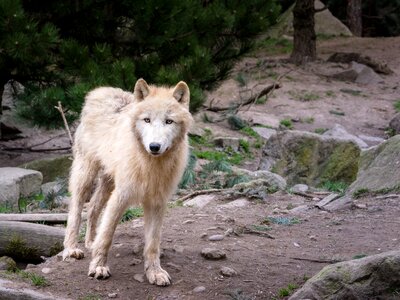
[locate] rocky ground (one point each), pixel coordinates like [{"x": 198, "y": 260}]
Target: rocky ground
[{"x": 273, "y": 245}]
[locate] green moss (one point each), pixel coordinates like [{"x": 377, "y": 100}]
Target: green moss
[
  {"x": 56, "y": 248},
  {"x": 18, "y": 249},
  {"x": 11, "y": 265}
]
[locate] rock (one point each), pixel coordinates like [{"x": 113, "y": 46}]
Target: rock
[
  {"x": 135, "y": 261},
  {"x": 264, "y": 132},
  {"x": 139, "y": 277},
  {"x": 255, "y": 189},
  {"x": 394, "y": 124},
  {"x": 260, "y": 118},
  {"x": 227, "y": 272},
  {"x": 227, "y": 143},
  {"x": 199, "y": 201},
  {"x": 199, "y": 289},
  {"x": 375, "y": 166},
  {"x": 53, "y": 187},
  {"x": 274, "y": 179},
  {"x": 299, "y": 188},
  {"x": 309, "y": 158},
  {"x": 339, "y": 204},
  {"x": 299, "y": 209},
  {"x": 112, "y": 295},
  {"x": 358, "y": 73},
  {"x": 7, "y": 264},
  {"x": 213, "y": 254},
  {"x": 216, "y": 237},
  {"x": 236, "y": 204},
  {"x": 16, "y": 183},
  {"x": 328, "y": 199},
  {"x": 364, "y": 278},
  {"x": 51, "y": 168},
  {"x": 196, "y": 130},
  {"x": 47, "y": 270},
  {"x": 325, "y": 24},
  {"x": 339, "y": 132},
  {"x": 371, "y": 140}
]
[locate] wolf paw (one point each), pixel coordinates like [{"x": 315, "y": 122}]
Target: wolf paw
[
  {"x": 72, "y": 252},
  {"x": 99, "y": 272},
  {"x": 158, "y": 276}
]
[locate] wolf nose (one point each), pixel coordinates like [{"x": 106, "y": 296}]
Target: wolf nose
[{"x": 155, "y": 147}]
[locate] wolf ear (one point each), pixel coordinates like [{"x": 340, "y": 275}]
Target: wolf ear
[
  {"x": 141, "y": 90},
  {"x": 182, "y": 93}
]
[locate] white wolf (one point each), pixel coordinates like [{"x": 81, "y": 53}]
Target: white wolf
[{"x": 135, "y": 146}]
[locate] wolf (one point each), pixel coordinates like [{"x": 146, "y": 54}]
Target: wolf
[{"x": 133, "y": 147}]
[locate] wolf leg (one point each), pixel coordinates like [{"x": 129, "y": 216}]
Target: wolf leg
[
  {"x": 153, "y": 218},
  {"x": 83, "y": 174},
  {"x": 97, "y": 203},
  {"x": 112, "y": 215}
]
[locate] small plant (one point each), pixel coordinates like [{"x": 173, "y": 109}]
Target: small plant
[
  {"x": 90, "y": 297},
  {"x": 286, "y": 123},
  {"x": 132, "y": 213},
  {"x": 206, "y": 118},
  {"x": 308, "y": 120},
  {"x": 189, "y": 175},
  {"x": 261, "y": 227},
  {"x": 320, "y": 130},
  {"x": 250, "y": 132},
  {"x": 285, "y": 292},
  {"x": 261, "y": 100},
  {"x": 276, "y": 46},
  {"x": 396, "y": 105},
  {"x": 236, "y": 123},
  {"x": 335, "y": 186},
  {"x": 304, "y": 95},
  {"x": 36, "y": 280},
  {"x": 330, "y": 93},
  {"x": 244, "y": 145},
  {"x": 287, "y": 221},
  {"x": 5, "y": 208},
  {"x": 241, "y": 79},
  {"x": 351, "y": 92},
  {"x": 358, "y": 256},
  {"x": 336, "y": 112},
  {"x": 361, "y": 192}
]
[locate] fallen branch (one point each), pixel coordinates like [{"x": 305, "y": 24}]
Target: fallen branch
[
  {"x": 60, "y": 109},
  {"x": 199, "y": 192},
  {"x": 30, "y": 149},
  {"x": 47, "y": 218},
  {"x": 322, "y": 261},
  {"x": 243, "y": 229}
]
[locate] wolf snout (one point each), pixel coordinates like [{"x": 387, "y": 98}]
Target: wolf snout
[{"x": 155, "y": 148}]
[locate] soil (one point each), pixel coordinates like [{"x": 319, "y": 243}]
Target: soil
[{"x": 298, "y": 251}]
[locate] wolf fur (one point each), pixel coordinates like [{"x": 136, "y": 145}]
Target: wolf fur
[{"x": 133, "y": 147}]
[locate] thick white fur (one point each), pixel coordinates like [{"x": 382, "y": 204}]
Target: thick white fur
[{"x": 111, "y": 152}]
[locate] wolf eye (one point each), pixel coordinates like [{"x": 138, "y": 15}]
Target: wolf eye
[
  {"x": 147, "y": 120},
  {"x": 169, "y": 121}
]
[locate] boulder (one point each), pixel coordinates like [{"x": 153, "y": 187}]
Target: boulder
[
  {"x": 264, "y": 132},
  {"x": 16, "y": 183},
  {"x": 372, "y": 277},
  {"x": 274, "y": 180},
  {"x": 259, "y": 118},
  {"x": 358, "y": 73},
  {"x": 394, "y": 124},
  {"x": 51, "y": 168},
  {"x": 339, "y": 132},
  {"x": 232, "y": 143},
  {"x": 312, "y": 159},
  {"x": 379, "y": 170}
]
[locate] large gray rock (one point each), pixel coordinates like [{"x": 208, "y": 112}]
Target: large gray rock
[
  {"x": 339, "y": 132},
  {"x": 358, "y": 73},
  {"x": 16, "y": 183},
  {"x": 274, "y": 180},
  {"x": 373, "y": 277},
  {"x": 304, "y": 157},
  {"x": 379, "y": 170}
]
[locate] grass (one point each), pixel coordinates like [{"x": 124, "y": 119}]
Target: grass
[
  {"x": 5, "y": 208},
  {"x": 241, "y": 79},
  {"x": 304, "y": 96},
  {"x": 335, "y": 186},
  {"x": 308, "y": 120},
  {"x": 244, "y": 145},
  {"x": 358, "y": 256},
  {"x": 276, "y": 46},
  {"x": 330, "y": 93},
  {"x": 287, "y": 221},
  {"x": 287, "y": 291},
  {"x": 396, "y": 105},
  {"x": 90, "y": 297},
  {"x": 360, "y": 192},
  {"x": 132, "y": 213},
  {"x": 320, "y": 130},
  {"x": 250, "y": 132},
  {"x": 261, "y": 100},
  {"x": 36, "y": 280},
  {"x": 336, "y": 112},
  {"x": 351, "y": 92},
  {"x": 286, "y": 123}
]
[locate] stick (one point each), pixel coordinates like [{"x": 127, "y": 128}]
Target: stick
[
  {"x": 200, "y": 192},
  {"x": 60, "y": 109},
  {"x": 322, "y": 261},
  {"x": 48, "y": 218}
]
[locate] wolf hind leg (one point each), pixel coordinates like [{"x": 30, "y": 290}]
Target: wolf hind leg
[
  {"x": 153, "y": 219},
  {"x": 83, "y": 175},
  {"x": 97, "y": 203}
]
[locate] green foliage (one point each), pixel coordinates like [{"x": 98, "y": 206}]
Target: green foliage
[
  {"x": 132, "y": 213},
  {"x": 18, "y": 249},
  {"x": 189, "y": 176},
  {"x": 36, "y": 280},
  {"x": 358, "y": 256},
  {"x": 5, "y": 208},
  {"x": 336, "y": 112},
  {"x": 286, "y": 123},
  {"x": 320, "y": 130},
  {"x": 118, "y": 42},
  {"x": 304, "y": 95},
  {"x": 335, "y": 186},
  {"x": 241, "y": 79},
  {"x": 236, "y": 123},
  {"x": 261, "y": 100},
  {"x": 250, "y": 132},
  {"x": 396, "y": 105},
  {"x": 361, "y": 192},
  {"x": 282, "y": 220},
  {"x": 276, "y": 46},
  {"x": 287, "y": 291},
  {"x": 244, "y": 145}
]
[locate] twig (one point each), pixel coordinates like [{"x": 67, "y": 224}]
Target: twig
[
  {"x": 60, "y": 109},
  {"x": 243, "y": 229},
  {"x": 200, "y": 192},
  {"x": 322, "y": 261}
]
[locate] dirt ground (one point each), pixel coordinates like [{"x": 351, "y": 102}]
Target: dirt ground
[{"x": 298, "y": 251}]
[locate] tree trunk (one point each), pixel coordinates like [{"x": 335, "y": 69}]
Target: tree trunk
[
  {"x": 28, "y": 242},
  {"x": 46, "y": 218},
  {"x": 354, "y": 16},
  {"x": 304, "y": 37}
]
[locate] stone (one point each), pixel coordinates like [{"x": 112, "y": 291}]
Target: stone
[
  {"x": 139, "y": 277},
  {"x": 358, "y": 73},
  {"x": 375, "y": 166},
  {"x": 342, "y": 203},
  {"x": 213, "y": 253},
  {"x": 302, "y": 209},
  {"x": 53, "y": 187},
  {"x": 199, "y": 289},
  {"x": 264, "y": 132},
  {"x": 135, "y": 261},
  {"x": 394, "y": 124},
  {"x": 16, "y": 183},
  {"x": 227, "y": 143},
  {"x": 216, "y": 237},
  {"x": 112, "y": 295},
  {"x": 238, "y": 203},
  {"x": 254, "y": 189},
  {"x": 199, "y": 201},
  {"x": 7, "y": 264},
  {"x": 275, "y": 180},
  {"x": 299, "y": 188},
  {"x": 339, "y": 132},
  {"x": 260, "y": 118},
  {"x": 227, "y": 272},
  {"x": 364, "y": 278},
  {"x": 47, "y": 270},
  {"x": 312, "y": 159},
  {"x": 327, "y": 199},
  {"x": 372, "y": 140},
  {"x": 51, "y": 168}
]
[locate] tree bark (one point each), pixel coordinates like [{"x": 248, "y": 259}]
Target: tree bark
[
  {"x": 354, "y": 16},
  {"x": 47, "y": 218},
  {"x": 304, "y": 37},
  {"x": 28, "y": 242}
]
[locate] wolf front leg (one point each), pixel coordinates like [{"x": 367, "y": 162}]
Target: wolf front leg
[
  {"x": 153, "y": 219},
  {"x": 83, "y": 174},
  {"x": 112, "y": 215}
]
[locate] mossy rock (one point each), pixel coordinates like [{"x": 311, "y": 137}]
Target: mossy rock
[
  {"x": 51, "y": 168},
  {"x": 304, "y": 157},
  {"x": 7, "y": 264}
]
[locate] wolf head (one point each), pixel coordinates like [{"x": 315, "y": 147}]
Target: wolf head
[{"x": 162, "y": 118}]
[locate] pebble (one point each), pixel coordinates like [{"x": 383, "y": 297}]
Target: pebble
[
  {"x": 178, "y": 248},
  {"x": 299, "y": 188},
  {"x": 112, "y": 295},
  {"x": 204, "y": 235},
  {"x": 213, "y": 253},
  {"x": 295, "y": 244},
  {"x": 135, "y": 261},
  {"x": 139, "y": 277},
  {"x": 216, "y": 237},
  {"x": 199, "y": 289},
  {"x": 46, "y": 270},
  {"x": 117, "y": 255},
  {"x": 227, "y": 272},
  {"x": 188, "y": 222},
  {"x": 313, "y": 238}
]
